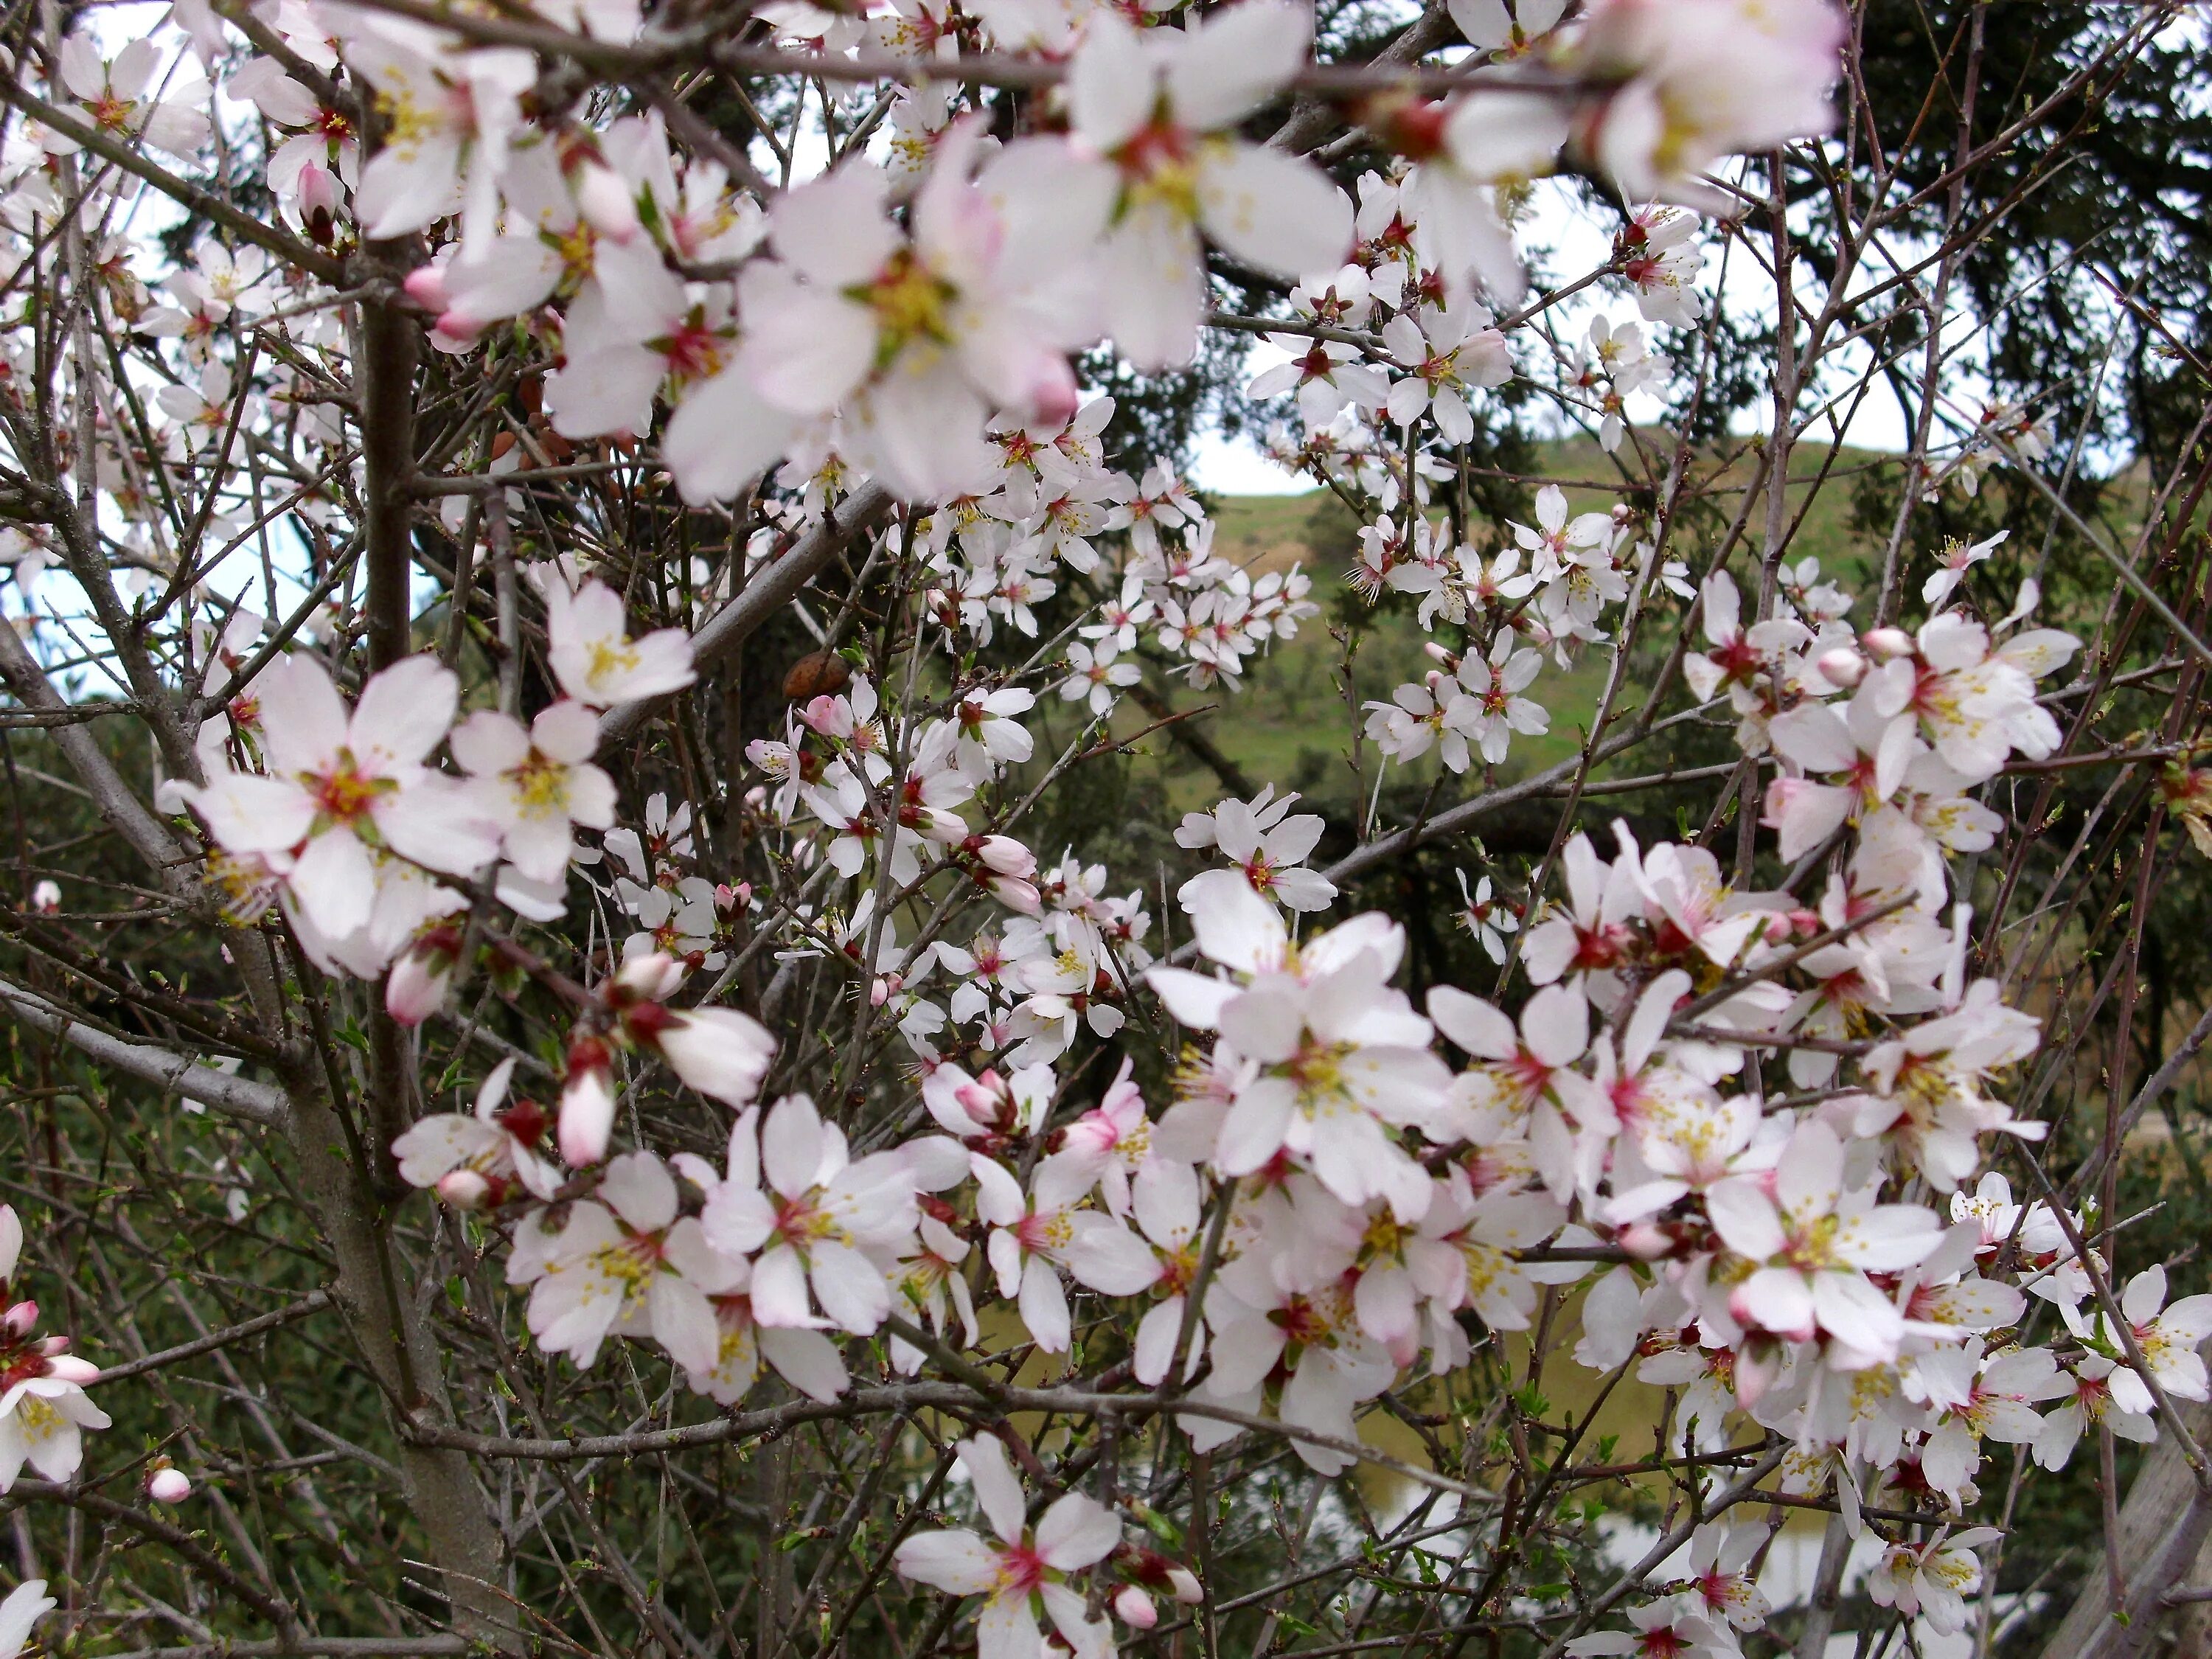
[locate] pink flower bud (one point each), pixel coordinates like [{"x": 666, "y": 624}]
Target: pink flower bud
[
  {"x": 979, "y": 1099},
  {"x": 20, "y": 1320},
  {"x": 650, "y": 977},
  {"x": 169, "y": 1486},
  {"x": 319, "y": 199},
  {"x": 1134, "y": 1608},
  {"x": 605, "y": 202},
  {"x": 1885, "y": 643},
  {"x": 1186, "y": 1586},
  {"x": 721, "y": 1052},
  {"x": 426, "y": 287},
  {"x": 417, "y": 986},
  {"x": 464, "y": 1189},
  {"x": 1756, "y": 1368},
  {"x": 46, "y": 897},
  {"x": 1643, "y": 1241},
  {"x": 1003, "y": 854},
  {"x": 1018, "y": 896},
  {"x": 1054, "y": 395},
  {"x": 587, "y": 1104},
  {"x": 1841, "y": 668}
]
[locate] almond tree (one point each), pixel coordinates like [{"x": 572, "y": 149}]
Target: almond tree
[{"x": 589, "y": 1072}]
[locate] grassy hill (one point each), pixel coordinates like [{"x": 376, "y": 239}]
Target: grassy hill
[{"x": 1290, "y": 724}]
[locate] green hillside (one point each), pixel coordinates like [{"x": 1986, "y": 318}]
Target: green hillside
[{"x": 1290, "y": 722}]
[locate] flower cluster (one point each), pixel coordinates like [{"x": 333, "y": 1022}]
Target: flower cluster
[
  {"x": 1327, "y": 1198},
  {"x": 340, "y": 815},
  {"x": 1178, "y": 1142},
  {"x": 44, "y": 1408}
]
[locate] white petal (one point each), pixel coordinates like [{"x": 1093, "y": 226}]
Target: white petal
[
  {"x": 959, "y": 1562},
  {"x": 997, "y": 1489},
  {"x": 1274, "y": 211}
]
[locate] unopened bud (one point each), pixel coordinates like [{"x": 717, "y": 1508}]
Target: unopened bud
[
  {"x": 650, "y": 977},
  {"x": 169, "y": 1486},
  {"x": 426, "y": 286},
  {"x": 1134, "y": 1608},
  {"x": 586, "y": 1120},
  {"x": 416, "y": 988},
  {"x": 1017, "y": 894},
  {"x": 1643, "y": 1241},
  {"x": 1756, "y": 1368},
  {"x": 318, "y": 194},
  {"x": 1054, "y": 395},
  {"x": 605, "y": 202},
  {"x": 464, "y": 1189},
  {"x": 1842, "y": 667},
  {"x": 1885, "y": 643},
  {"x": 1002, "y": 855},
  {"x": 979, "y": 1099}
]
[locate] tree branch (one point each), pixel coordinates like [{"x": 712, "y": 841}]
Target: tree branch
[
  {"x": 238, "y": 1096},
  {"x": 768, "y": 592}
]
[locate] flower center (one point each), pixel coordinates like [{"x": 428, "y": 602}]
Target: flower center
[
  {"x": 1159, "y": 164},
  {"x": 343, "y": 795},
  {"x": 1385, "y": 1238},
  {"x": 612, "y": 656},
  {"x": 911, "y": 303},
  {"x": 1044, "y": 1233},
  {"x": 1813, "y": 1249},
  {"x": 1318, "y": 1069},
  {"x": 694, "y": 350},
  {"x": 541, "y": 787},
  {"x": 802, "y": 1221},
  {"x": 1021, "y": 1570}
]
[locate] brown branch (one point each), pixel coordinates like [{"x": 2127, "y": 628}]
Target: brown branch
[
  {"x": 1202, "y": 747},
  {"x": 314, "y": 1302},
  {"x": 186, "y": 1547},
  {"x": 173, "y": 865},
  {"x": 238, "y": 1096},
  {"x": 768, "y": 592}
]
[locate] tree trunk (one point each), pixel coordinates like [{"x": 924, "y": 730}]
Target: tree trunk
[
  {"x": 395, "y": 1343},
  {"x": 2163, "y": 1530}
]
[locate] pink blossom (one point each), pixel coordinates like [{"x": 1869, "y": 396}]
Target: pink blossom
[{"x": 1024, "y": 1572}]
